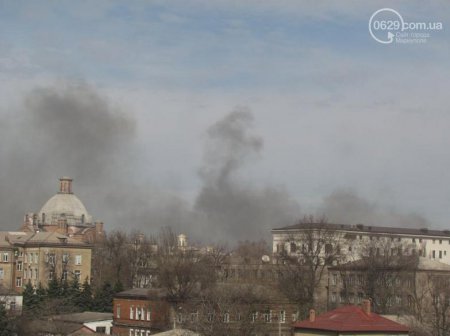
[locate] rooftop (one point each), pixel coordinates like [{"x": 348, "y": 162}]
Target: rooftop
[
  {"x": 84, "y": 317},
  {"x": 352, "y": 319},
  {"x": 10, "y": 239},
  {"x": 366, "y": 229}
]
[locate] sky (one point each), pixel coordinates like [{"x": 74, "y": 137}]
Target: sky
[{"x": 224, "y": 119}]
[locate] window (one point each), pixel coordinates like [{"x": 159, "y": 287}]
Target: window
[
  {"x": 226, "y": 318},
  {"x": 77, "y": 274},
  {"x": 50, "y": 275},
  {"x": 210, "y": 317},
  {"x": 194, "y": 317},
  {"x": 420, "y": 240},
  {"x": 254, "y": 316},
  {"x": 100, "y": 330},
  {"x": 65, "y": 258},
  {"x": 19, "y": 265},
  {"x": 131, "y": 313},
  {"x": 414, "y": 240},
  {"x": 333, "y": 297},
  {"x": 293, "y": 248},
  {"x": 2, "y": 273},
  {"x": 131, "y": 332},
  {"x": 36, "y": 258},
  {"x": 35, "y": 273},
  {"x": 51, "y": 258},
  {"x": 360, "y": 297},
  {"x": 434, "y": 254},
  {"x": 20, "y": 254},
  {"x": 78, "y": 260},
  {"x": 5, "y": 257},
  {"x": 118, "y": 311},
  {"x": 282, "y": 316},
  {"x": 440, "y": 241},
  {"x": 440, "y": 254},
  {"x": 142, "y": 313},
  {"x": 334, "y": 279},
  {"x": 12, "y": 306},
  {"x": 149, "y": 314},
  {"x": 64, "y": 275},
  {"x": 18, "y": 282}
]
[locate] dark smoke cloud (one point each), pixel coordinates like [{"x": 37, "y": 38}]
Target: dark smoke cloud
[
  {"x": 230, "y": 207},
  {"x": 347, "y": 207},
  {"x": 74, "y": 130},
  {"x": 61, "y": 130}
]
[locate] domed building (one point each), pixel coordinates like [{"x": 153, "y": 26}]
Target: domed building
[{"x": 65, "y": 213}]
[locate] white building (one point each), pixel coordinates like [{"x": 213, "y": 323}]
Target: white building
[{"x": 353, "y": 239}]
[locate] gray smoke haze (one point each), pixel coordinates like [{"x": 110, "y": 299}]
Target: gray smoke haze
[
  {"x": 347, "y": 207},
  {"x": 60, "y": 130},
  {"x": 74, "y": 130},
  {"x": 232, "y": 207}
]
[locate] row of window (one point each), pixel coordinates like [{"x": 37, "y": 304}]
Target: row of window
[
  {"x": 441, "y": 254},
  {"x": 139, "y": 332},
  {"x": 359, "y": 280},
  {"x": 31, "y": 257},
  {"x": 65, "y": 275},
  {"x": 34, "y": 258},
  {"x": 396, "y": 300},
  {"x": 267, "y": 317},
  {"x": 51, "y": 258}
]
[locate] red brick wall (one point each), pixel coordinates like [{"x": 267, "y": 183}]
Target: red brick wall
[{"x": 159, "y": 315}]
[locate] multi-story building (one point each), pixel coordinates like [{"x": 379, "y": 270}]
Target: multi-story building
[
  {"x": 140, "y": 312},
  {"x": 66, "y": 214},
  {"x": 41, "y": 256},
  {"x": 353, "y": 240},
  {"x": 404, "y": 285},
  {"x": 238, "y": 310}
]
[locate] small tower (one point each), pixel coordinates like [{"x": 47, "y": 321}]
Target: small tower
[
  {"x": 65, "y": 185},
  {"x": 182, "y": 241}
]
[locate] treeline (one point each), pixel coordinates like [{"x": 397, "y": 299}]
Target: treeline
[{"x": 68, "y": 296}]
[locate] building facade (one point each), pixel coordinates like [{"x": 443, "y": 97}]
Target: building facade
[
  {"x": 41, "y": 256},
  {"x": 353, "y": 240}
]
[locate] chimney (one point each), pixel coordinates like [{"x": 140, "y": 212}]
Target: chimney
[
  {"x": 99, "y": 228},
  {"x": 65, "y": 185},
  {"x": 367, "y": 306},
  {"x": 312, "y": 315}
]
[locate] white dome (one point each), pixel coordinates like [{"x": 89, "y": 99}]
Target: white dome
[{"x": 68, "y": 205}]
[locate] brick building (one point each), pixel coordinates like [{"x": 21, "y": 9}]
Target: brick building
[{"x": 140, "y": 312}]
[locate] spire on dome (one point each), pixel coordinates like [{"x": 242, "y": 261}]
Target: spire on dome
[{"x": 65, "y": 185}]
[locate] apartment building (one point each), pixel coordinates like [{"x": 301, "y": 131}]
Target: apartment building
[
  {"x": 39, "y": 257},
  {"x": 354, "y": 240}
]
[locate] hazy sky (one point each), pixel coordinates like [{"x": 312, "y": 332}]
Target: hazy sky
[{"x": 347, "y": 126}]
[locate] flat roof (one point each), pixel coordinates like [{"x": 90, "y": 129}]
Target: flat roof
[{"x": 367, "y": 229}]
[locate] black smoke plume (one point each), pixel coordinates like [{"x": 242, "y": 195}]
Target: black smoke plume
[{"x": 231, "y": 207}]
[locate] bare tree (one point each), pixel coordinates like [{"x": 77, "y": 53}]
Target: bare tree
[
  {"x": 439, "y": 318},
  {"x": 305, "y": 257},
  {"x": 141, "y": 252},
  {"x": 182, "y": 271}
]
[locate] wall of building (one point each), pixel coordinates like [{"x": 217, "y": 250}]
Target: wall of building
[
  {"x": 130, "y": 313},
  {"x": 107, "y": 325}
]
